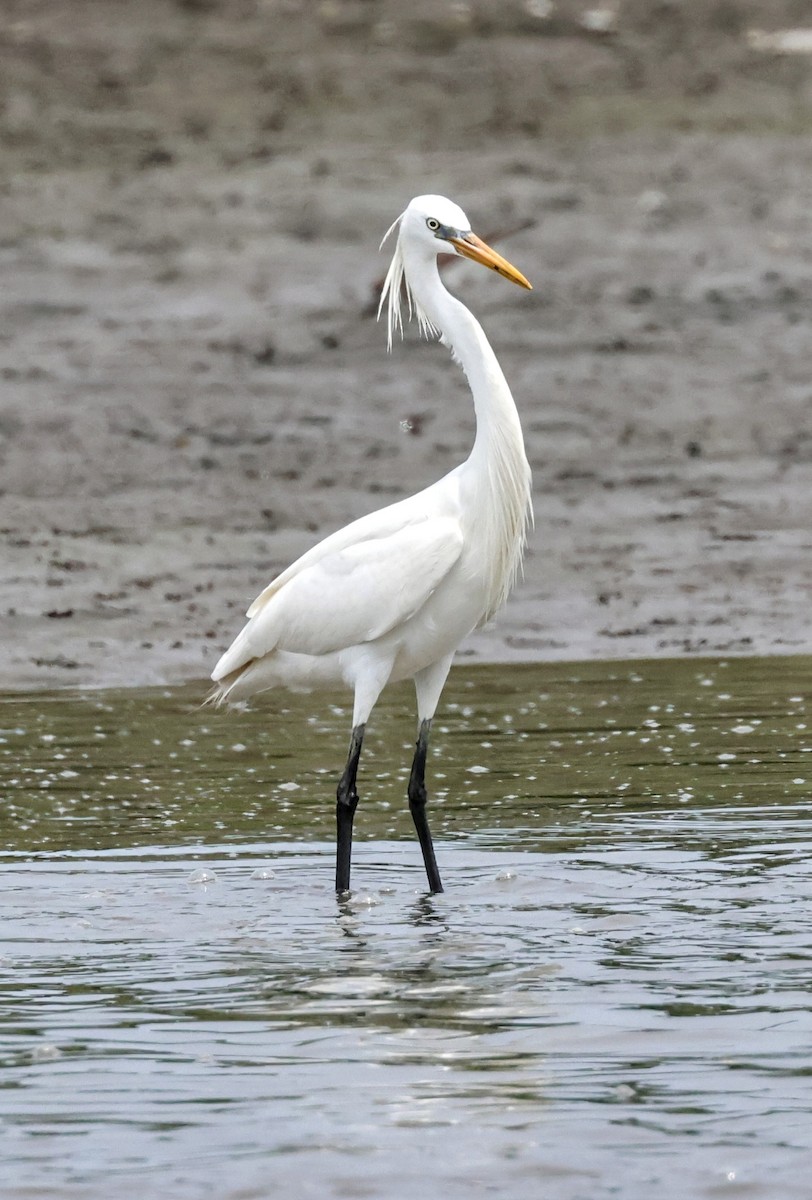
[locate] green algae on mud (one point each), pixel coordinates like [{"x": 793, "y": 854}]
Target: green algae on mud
[{"x": 556, "y": 751}]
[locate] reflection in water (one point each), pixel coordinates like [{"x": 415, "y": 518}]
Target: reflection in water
[{"x": 611, "y": 999}]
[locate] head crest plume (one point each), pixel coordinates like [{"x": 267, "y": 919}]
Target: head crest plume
[{"x": 394, "y": 286}]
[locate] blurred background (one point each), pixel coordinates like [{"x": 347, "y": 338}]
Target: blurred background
[
  {"x": 227, "y": 83},
  {"x": 192, "y": 194}
]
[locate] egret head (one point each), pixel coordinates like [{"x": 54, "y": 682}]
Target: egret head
[
  {"x": 430, "y": 226},
  {"x": 431, "y": 221}
]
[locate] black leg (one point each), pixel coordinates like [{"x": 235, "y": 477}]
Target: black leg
[
  {"x": 417, "y": 806},
  {"x": 346, "y": 804}
]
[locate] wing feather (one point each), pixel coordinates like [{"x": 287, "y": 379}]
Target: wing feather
[
  {"x": 382, "y": 523},
  {"x": 349, "y": 594}
]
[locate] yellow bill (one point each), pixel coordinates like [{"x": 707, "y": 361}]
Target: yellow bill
[{"x": 470, "y": 246}]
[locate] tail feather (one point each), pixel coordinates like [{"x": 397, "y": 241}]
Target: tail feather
[
  {"x": 223, "y": 687},
  {"x": 216, "y": 697}
]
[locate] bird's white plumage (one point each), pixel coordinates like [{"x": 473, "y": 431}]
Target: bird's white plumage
[
  {"x": 391, "y": 595},
  {"x": 362, "y": 590}
]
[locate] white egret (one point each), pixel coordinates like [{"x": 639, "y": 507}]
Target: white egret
[{"x": 393, "y": 594}]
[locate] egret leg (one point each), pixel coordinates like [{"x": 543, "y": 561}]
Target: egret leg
[
  {"x": 346, "y": 804},
  {"x": 417, "y": 806}
]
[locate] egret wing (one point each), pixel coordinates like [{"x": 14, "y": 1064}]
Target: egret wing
[
  {"x": 438, "y": 500},
  {"x": 354, "y": 594}
]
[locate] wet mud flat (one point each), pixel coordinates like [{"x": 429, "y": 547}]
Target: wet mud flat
[{"x": 195, "y": 389}]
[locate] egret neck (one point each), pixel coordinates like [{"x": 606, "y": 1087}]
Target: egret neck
[{"x": 497, "y": 463}]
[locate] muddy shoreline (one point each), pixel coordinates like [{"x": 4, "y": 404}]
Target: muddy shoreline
[{"x": 193, "y": 390}]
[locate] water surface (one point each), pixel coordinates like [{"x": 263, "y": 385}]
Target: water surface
[{"x": 612, "y": 998}]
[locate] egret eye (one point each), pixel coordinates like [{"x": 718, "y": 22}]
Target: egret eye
[{"x": 433, "y": 224}]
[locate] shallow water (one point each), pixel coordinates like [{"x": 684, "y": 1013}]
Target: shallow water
[{"x": 612, "y": 998}]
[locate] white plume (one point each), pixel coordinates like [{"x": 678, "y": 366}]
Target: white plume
[{"x": 394, "y": 285}]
